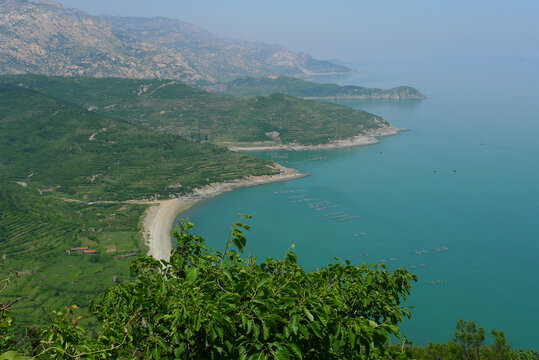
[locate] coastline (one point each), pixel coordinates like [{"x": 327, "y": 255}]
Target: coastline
[
  {"x": 369, "y": 138},
  {"x": 158, "y": 219},
  {"x": 366, "y": 97}
]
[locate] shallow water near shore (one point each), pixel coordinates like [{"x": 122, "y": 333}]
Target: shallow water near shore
[{"x": 455, "y": 199}]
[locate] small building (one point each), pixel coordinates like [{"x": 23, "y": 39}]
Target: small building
[
  {"x": 82, "y": 248},
  {"x": 90, "y": 252}
]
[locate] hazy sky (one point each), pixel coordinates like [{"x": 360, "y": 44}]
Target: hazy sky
[{"x": 355, "y": 29}]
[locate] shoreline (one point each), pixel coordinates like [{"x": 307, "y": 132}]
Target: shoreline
[
  {"x": 366, "y": 97},
  {"x": 370, "y": 138},
  {"x": 158, "y": 220}
]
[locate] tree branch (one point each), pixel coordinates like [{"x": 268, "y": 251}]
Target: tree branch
[{"x": 8, "y": 305}]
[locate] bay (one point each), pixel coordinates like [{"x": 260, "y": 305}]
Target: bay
[{"x": 455, "y": 199}]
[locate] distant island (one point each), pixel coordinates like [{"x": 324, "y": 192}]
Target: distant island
[{"x": 251, "y": 86}]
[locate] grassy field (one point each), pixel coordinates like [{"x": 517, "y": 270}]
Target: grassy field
[{"x": 171, "y": 107}]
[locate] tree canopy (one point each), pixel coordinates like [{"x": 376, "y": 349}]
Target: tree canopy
[
  {"x": 207, "y": 304},
  {"x": 211, "y": 304}
]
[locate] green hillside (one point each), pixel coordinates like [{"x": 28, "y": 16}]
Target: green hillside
[
  {"x": 57, "y": 146},
  {"x": 172, "y": 107},
  {"x": 51, "y": 152},
  {"x": 250, "y": 86}
]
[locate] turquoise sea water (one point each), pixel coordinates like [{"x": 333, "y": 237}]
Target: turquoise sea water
[{"x": 464, "y": 178}]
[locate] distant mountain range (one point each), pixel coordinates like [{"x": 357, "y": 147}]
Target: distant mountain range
[{"x": 46, "y": 38}]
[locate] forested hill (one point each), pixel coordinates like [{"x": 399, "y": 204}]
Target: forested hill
[
  {"x": 176, "y": 108},
  {"x": 57, "y": 146},
  {"x": 250, "y": 86}
]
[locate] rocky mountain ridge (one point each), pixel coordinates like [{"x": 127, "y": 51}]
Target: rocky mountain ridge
[{"x": 46, "y": 38}]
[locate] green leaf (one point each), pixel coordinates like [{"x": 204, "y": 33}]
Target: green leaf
[
  {"x": 162, "y": 343},
  {"x": 262, "y": 283},
  {"x": 292, "y": 257},
  {"x": 295, "y": 349},
  {"x": 315, "y": 326},
  {"x": 282, "y": 352},
  {"x": 242, "y": 353},
  {"x": 212, "y": 332},
  {"x": 294, "y": 323},
  {"x": 243, "y": 320},
  {"x": 393, "y": 329},
  {"x": 220, "y": 331},
  {"x": 308, "y": 314},
  {"x": 265, "y": 330},
  {"x": 228, "y": 275},
  {"x": 192, "y": 274},
  {"x": 352, "y": 337},
  {"x": 13, "y": 355}
]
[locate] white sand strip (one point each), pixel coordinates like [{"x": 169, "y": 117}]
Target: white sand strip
[{"x": 159, "y": 219}]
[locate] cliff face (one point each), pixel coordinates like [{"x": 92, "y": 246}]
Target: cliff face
[{"x": 46, "y": 38}]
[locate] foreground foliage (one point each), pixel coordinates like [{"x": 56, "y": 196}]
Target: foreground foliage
[
  {"x": 207, "y": 304},
  {"x": 468, "y": 343}
]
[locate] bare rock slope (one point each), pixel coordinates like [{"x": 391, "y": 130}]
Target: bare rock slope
[{"x": 46, "y": 38}]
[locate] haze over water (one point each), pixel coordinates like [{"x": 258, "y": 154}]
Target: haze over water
[{"x": 464, "y": 178}]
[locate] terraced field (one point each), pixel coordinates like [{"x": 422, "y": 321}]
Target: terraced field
[{"x": 35, "y": 232}]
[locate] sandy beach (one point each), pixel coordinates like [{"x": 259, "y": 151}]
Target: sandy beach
[
  {"x": 368, "y": 138},
  {"x": 157, "y": 226},
  {"x": 158, "y": 219}
]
